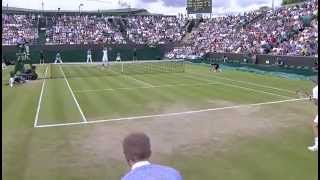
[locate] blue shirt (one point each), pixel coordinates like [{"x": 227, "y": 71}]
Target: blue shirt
[{"x": 153, "y": 172}]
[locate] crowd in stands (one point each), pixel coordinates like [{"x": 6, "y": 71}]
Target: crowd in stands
[
  {"x": 97, "y": 30},
  {"x": 155, "y": 29},
  {"x": 18, "y": 28},
  {"x": 285, "y": 31},
  {"x": 83, "y": 30}
]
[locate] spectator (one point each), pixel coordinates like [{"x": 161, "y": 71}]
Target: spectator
[
  {"x": 279, "y": 32},
  {"x": 137, "y": 151},
  {"x": 284, "y": 31},
  {"x": 83, "y": 30},
  {"x": 18, "y": 27},
  {"x": 152, "y": 30}
]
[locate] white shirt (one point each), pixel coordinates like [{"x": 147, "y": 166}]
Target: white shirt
[
  {"x": 315, "y": 92},
  {"x": 27, "y": 49},
  {"x": 11, "y": 80},
  {"x": 105, "y": 52},
  {"x": 4, "y": 66},
  {"x": 139, "y": 164}
]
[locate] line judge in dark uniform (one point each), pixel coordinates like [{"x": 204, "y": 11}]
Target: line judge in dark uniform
[
  {"x": 41, "y": 57},
  {"x": 134, "y": 58},
  {"x": 137, "y": 151}
]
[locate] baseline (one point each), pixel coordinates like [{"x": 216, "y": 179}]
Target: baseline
[{"x": 171, "y": 114}]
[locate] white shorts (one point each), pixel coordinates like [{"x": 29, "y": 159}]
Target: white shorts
[
  {"x": 316, "y": 119},
  {"x": 58, "y": 60},
  {"x": 11, "y": 81},
  {"x": 105, "y": 59},
  {"x": 4, "y": 66}
]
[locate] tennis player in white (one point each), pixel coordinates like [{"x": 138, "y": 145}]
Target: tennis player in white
[
  {"x": 26, "y": 46},
  {"x": 315, "y": 122},
  {"x": 58, "y": 58},
  {"x": 105, "y": 56},
  {"x": 89, "y": 57},
  {"x": 4, "y": 66}
]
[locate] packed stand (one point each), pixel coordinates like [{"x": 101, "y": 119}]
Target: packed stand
[
  {"x": 285, "y": 31},
  {"x": 83, "y": 30},
  {"x": 155, "y": 29},
  {"x": 288, "y": 31},
  {"x": 18, "y": 29},
  {"x": 219, "y": 34}
]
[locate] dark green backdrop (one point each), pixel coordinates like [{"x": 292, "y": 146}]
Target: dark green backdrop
[{"x": 78, "y": 53}]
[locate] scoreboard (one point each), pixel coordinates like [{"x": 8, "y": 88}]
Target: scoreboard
[{"x": 199, "y": 6}]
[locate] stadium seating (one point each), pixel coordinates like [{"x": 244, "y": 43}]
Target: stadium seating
[
  {"x": 284, "y": 31},
  {"x": 17, "y": 27}
]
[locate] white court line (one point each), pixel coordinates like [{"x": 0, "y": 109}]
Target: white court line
[
  {"x": 171, "y": 114},
  {"x": 74, "y": 98},
  {"x": 40, "y": 100},
  {"x": 172, "y": 85},
  {"x": 140, "y": 81},
  {"x": 143, "y": 87},
  {"x": 259, "y": 91},
  {"x": 259, "y": 85},
  {"x": 232, "y": 85},
  {"x": 137, "y": 80}
]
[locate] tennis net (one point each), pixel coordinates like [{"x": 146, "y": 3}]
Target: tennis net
[{"x": 70, "y": 70}]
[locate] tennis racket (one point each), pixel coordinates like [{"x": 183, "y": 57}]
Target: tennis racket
[{"x": 303, "y": 93}]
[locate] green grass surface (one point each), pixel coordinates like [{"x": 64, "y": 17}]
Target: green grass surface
[{"x": 267, "y": 142}]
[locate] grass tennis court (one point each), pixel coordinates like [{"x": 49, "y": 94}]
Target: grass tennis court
[{"x": 228, "y": 125}]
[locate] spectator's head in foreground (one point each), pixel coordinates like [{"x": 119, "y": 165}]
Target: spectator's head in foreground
[
  {"x": 136, "y": 147},
  {"x": 137, "y": 150}
]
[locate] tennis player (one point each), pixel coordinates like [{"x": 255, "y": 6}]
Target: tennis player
[
  {"x": 215, "y": 67},
  {"x": 58, "y": 58},
  {"x": 89, "y": 57},
  {"x": 315, "y": 121},
  {"x": 105, "y": 56}
]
